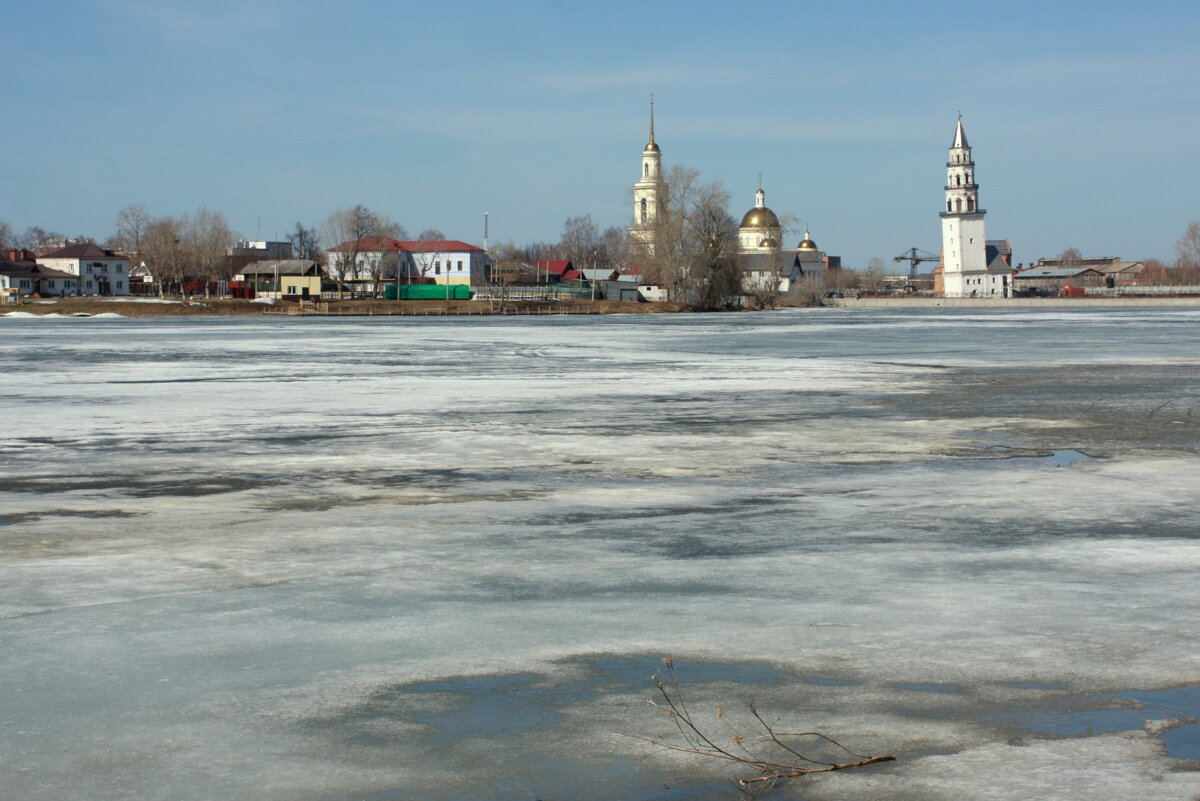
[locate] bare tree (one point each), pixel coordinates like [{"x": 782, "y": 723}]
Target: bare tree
[
  {"x": 695, "y": 241},
  {"x": 358, "y": 253},
  {"x": 580, "y": 241},
  {"x": 431, "y": 235},
  {"x": 1188, "y": 247},
  {"x": 39, "y": 240},
  {"x": 162, "y": 250},
  {"x": 6, "y": 236},
  {"x": 306, "y": 243},
  {"x": 749, "y": 742},
  {"x": 614, "y": 251},
  {"x": 872, "y": 279},
  {"x": 1070, "y": 258},
  {"x": 206, "y": 237},
  {"x": 129, "y": 230}
]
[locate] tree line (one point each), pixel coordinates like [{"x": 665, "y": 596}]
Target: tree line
[{"x": 694, "y": 244}]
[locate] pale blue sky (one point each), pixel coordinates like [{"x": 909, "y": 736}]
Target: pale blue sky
[{"x": 1084, "y": 117}]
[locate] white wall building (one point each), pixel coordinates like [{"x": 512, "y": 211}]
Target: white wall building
[
  {"x": 438, "y": 261},
  {"x": 966, "y": 272},
  {"x": 100, "y": 271}
]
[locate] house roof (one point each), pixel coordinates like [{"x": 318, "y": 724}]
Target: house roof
[
  {"x": 82, "y": 250},
  {"x": 370, "y": 243},
  {"x": 377, "y": 243},
  {"x": 29, "y": 269},
  {"x": 285, "y": 267},
  {"x": 556, "y": 266},
  {"x": 598, "y": 275},
  {"x": 1056, "y": 272},
  {"x": 1121, "y": 267},
  {"x": 439, "y": 245}
]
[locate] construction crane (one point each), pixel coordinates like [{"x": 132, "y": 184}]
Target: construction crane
[{"x": 914, "y": 257}]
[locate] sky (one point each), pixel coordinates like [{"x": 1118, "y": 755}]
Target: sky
[{"x": 1083, "y": 116}]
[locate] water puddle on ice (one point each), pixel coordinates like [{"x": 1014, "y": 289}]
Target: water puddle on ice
[
  {"x": 1079, "y": 716},
  {"x": 930, "y": 688},
  {"x": 1059, "y": 458}
]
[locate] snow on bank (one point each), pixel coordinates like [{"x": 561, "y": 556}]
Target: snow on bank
[
  {"x": 141, "y": 300},
  {"x": 26, "y": 315}
]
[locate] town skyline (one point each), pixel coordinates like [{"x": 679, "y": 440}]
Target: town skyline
[{"x": 846, "y": 114}]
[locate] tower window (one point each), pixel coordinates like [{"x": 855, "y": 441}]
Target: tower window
[
  {"x": 645, "y": 170},
  {"x": 958, "y": 204},
  {"x": 645, "y": 214},
  {"x": 948, "y": 206}
]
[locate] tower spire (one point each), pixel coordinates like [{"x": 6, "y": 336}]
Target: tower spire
[
  {"x": 960, "y": 136},
  {"x": 651, "y": 118}
]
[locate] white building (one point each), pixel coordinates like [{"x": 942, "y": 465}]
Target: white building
[
  {"x": 648, "y": 193},
  {"x": 965, "y": 269},
  {"x": 263, "y": 251},
  {"x": 434, "y": 261},
  {"x": 100, "y": 271}
]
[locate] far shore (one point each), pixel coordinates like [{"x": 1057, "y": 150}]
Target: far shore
[{"x": 200, "y": 307}]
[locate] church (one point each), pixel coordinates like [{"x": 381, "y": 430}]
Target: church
[{"x": 760, "y": 252}]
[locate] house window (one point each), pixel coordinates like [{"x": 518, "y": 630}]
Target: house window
[
  {"x": 437, "y": 268},
  {"x": 89, "y": 284},
  {"x": 460, "y": 266},
  {"x": 291, "y": 290},
  {"x": 120, "y": 284}
]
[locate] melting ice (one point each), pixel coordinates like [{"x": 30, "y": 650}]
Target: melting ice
[{"x": 387, "y": 559}]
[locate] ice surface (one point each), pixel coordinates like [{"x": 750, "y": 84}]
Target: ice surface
[{"x": 391, "y": 557}]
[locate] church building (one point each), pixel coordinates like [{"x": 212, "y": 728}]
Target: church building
[
  {"x": 969, "y": 269},
  {"x": 764, "y": 260}
]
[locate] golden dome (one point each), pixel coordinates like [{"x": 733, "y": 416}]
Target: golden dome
[
  {"x": 806, "y": 243},
  {"x": 760, "y": 217},
  {"x": 768, "y": 243},
  {"x": 651, "y": 148}
]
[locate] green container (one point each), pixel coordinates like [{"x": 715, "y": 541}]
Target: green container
[{"x": 427, "y": 292}]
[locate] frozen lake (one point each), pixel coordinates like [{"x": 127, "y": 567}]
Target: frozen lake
[{"x": 439, "y": 559}]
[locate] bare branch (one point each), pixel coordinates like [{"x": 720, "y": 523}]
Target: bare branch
[{"x": 773, "y": 755}]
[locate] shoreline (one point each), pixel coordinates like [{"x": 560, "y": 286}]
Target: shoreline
[{"x": 155, "y": 307}]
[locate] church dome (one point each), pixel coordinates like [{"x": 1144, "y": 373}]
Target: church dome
[
  {"x": 768, "y": 243},
  {"x": 806, "y": 243},
  {"x": 651, "y": 148},
  {"x": 760, "y": 217}
]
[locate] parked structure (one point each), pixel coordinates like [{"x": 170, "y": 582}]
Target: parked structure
[{"x": 100, "y": 271}]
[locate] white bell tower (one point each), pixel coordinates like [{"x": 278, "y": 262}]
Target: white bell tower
[
  {"x": 647, "y": 193},
  {"x": 964, "y": 243}
]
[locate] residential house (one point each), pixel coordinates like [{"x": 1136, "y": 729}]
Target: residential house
[
  {"x": 449, "y": 261},
  {"x": 283, "y": 278},
  {"x": 22, "y": 276},
  {"x": 373, "y": 262},
  {"x": 100, "y": 271}
]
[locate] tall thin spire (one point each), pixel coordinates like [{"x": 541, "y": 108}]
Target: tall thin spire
[
  {"x": 960, "y": 136},
  {"x": 651, "y": 118}
]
